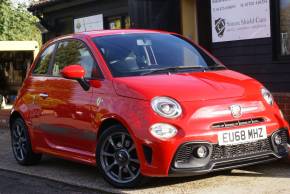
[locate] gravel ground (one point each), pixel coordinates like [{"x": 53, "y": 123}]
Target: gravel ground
[{"x": 261, "y": 179}]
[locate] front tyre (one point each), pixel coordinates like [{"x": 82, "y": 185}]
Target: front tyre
[
  {"x": 21, "y": 144},
  {"x": 117, "y": 158}
]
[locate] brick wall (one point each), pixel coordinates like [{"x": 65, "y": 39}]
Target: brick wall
[{"x": 283, "y": 100}]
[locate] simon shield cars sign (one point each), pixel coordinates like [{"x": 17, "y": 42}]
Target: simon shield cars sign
[{"x": 240, "y": 19}]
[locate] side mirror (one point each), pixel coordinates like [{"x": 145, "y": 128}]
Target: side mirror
[
  {"x": 73, "y": 72},
  {"x": 76, "y": 72}
]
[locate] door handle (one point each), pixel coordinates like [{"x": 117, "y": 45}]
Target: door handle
[{"x": 43, "y": 95}]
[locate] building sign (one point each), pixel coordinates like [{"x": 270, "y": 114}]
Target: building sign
[
  {"x": 240, "y": 19},
  {"x": 95, "y": 22}
]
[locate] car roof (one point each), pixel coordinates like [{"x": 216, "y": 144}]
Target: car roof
[
  {"x": 99, "y": 33},
  {"x": 93, "y": 34}
]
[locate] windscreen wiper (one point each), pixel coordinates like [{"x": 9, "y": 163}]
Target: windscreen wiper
[
  {"x": 173, "y": 69},
  {"x": 216, "y": 67}
]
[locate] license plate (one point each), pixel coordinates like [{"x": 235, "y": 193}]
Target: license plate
[{"x": 240, "y": 136}]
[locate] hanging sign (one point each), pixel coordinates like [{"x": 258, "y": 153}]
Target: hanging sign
[
  {"x": 240, "y": 19},
  {"x": 95, "y": 22}
]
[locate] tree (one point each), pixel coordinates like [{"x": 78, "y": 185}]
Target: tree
[{"x": 17, "y": 24}]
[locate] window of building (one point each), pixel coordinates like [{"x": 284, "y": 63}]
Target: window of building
[
  {"x": 127, "y": 22},
  {"x": 285, "y": 27},
  {"x": 42, "y": 66},
  {"x": 13, "y": 68},
  {"x": 115, "y": 23},
  {"x": 118, "y": 22},
  {"x": 74, "y": 52}
]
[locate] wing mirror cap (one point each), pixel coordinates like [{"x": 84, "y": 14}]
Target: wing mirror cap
[
  {"x": 73, "y": 72},
  {"x": 76, "y": 72}
]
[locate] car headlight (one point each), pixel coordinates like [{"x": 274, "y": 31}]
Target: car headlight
[
  {"x": 163, "y": 131},
  {"x": 267, "y": 96},
  {"x": 166, "y": 107}
]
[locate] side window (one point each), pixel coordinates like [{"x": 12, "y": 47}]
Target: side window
[
  {"x": 74, "y": 52},
  {"x": 42, "y": 66}
]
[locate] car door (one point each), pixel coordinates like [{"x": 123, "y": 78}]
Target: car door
[
  {"x": 35, "y": 95},
  {"x": 69, "y": 128}
]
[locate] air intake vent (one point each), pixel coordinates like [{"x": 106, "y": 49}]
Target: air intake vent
[{"x": 237, "y": 123}]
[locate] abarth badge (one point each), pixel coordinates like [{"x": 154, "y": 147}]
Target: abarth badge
[{"x": 236, "y": 111}]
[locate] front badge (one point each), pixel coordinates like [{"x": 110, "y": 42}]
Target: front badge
[{"x": 236, "y": 111}]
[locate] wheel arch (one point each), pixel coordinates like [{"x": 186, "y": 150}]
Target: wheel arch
[
  {"x": 110, "y": 121},
  {"x": 14, "y": 115}
]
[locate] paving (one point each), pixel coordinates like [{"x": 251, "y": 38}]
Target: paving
[
  {"x": 16, "y": 183},
  {"x": 262, "y": 179},
  {"x": 4, "y": 114}
]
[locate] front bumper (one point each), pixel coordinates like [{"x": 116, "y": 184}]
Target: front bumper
[{"x": 227, "y": 157}]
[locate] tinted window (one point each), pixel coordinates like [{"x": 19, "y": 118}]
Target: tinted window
[
  {"x": 71, "y": 53},
  {"x": 42, "y": 66},
  {"x": 136, "y": 54}
]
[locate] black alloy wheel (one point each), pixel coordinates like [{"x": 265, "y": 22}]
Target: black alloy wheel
[
  {"x": 21, "y": 144},
  {"x": 117, "y": 158}
]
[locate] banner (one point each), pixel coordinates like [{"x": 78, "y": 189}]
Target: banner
[
  {"x": 90, "y": 23},
  {"x": 240, "y": 20}
]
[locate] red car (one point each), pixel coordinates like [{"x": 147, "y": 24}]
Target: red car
[{"x": 138, "y": 103}]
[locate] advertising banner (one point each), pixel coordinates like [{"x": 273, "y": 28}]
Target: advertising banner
[
  {"x": 234, "y": 20},
  {"x": 90, "y": 23}
]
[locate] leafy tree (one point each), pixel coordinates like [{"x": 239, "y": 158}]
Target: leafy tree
[{"x": 16, "y": 23}]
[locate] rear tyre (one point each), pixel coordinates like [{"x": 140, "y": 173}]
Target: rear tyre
[
  {"x": 117, "y": 158},
  {"x": 21, "y": 144}
]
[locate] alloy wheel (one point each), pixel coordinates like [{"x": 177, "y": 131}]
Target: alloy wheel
[
  {"x": 19, "y": 142},
  {"x": 119, "y": 158}
]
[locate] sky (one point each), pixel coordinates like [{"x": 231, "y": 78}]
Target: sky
[{"x": 20, "y": 1}]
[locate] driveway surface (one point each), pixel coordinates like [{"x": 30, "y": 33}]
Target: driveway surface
[
  {"x": 4, "y": 115},
  {"x": 261, "y": 179},
  {"x": 15, "y": 183}
]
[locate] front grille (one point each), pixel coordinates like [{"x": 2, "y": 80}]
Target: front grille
[
  {"x": 223, "y": 154},
  {"x": 242, "y": 150},
  {"x": 237, "y": 123}
]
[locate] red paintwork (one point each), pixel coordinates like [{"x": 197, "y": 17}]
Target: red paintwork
[
  {"x": 127, "y": 100},
  {"x": 73, "y": 72}
]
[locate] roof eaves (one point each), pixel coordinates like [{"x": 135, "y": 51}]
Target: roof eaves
[{"x": 38, "y": 4}]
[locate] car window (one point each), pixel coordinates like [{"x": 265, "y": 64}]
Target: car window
[
  {"x": 42, "y": 66},
  {"x": 73, "y": 52},
  {"x": 138, "y": 54}
]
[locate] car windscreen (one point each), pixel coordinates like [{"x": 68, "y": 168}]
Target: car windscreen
[{"x": 152, "y": 53}]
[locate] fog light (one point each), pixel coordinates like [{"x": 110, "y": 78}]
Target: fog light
[
  {"x": 278, "y": 139},
  {"x": 202, "y": 152}
]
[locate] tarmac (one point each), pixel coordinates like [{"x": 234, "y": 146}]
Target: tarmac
[
  {"x": 16, "y": 183},
  {"x": 4, "y": 115}
]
